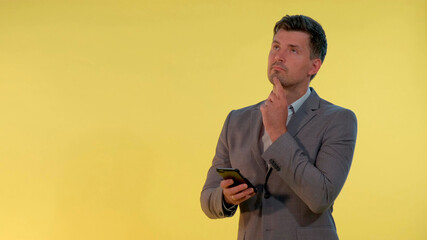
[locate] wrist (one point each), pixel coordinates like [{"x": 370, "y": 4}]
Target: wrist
[
  {"x": 274, "y": 136},
  {"x": 226, "y": 204}
]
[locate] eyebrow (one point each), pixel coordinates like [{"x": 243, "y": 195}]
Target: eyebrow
[{"x": 290, "y": 45}]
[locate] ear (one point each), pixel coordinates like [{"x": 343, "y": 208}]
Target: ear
[{"x": 315, "y": 66}]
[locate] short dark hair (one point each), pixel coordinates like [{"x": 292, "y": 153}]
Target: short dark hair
[{"x": 301, "y": 23}]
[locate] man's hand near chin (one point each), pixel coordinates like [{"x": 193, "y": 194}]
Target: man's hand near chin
[{"x": 275, "y": 111}]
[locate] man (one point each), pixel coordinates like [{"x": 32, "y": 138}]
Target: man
[{"x": 294, "y": 147}]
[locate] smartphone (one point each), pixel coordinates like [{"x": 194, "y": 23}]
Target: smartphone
[{"x": 233, "y": 173}]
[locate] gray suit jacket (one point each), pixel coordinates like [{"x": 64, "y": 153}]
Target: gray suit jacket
[{"x": 310, "y": 165}]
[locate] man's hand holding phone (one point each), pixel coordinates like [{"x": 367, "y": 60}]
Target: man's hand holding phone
[{"x": 236, "y": 195}]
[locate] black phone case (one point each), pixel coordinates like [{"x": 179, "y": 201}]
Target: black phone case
[{"x": 233, "y": 173}]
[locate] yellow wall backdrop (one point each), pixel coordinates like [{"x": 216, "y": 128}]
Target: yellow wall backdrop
[{"x": 110, "y": 112}]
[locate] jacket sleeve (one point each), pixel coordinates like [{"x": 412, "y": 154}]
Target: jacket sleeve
[
  {"x": 319, "y": 181},
  {"x": 211, "y": 198}
]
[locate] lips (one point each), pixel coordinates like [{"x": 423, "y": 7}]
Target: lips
[{"x": 278, "y": 66}]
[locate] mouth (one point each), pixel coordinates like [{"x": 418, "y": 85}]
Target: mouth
[{"x": 278, "y": 67}]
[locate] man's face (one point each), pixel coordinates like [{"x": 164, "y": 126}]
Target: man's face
[{"x": 289, "y": 59}]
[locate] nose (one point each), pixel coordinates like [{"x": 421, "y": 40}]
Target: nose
[{"x": 279, "y": 57}]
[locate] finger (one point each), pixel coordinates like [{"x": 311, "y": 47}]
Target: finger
[
  {"x": 235, "y": 192},
  {"x": 237, "y": 189},
  {"x": 272, "y": 97},
  {"x": 246, "y": 192},
  {"x": 226, "y": 183},
  {"x": 233, "y": 195},
  {"x": 278, "y": 88},
  {"x": 277, "y": 84},
  {"x": 244, "y": 195},
  {"x": 247, "y": 197}
]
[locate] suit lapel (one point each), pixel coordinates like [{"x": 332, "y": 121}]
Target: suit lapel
[
  {"x": 306, "y": 112},
  {"x": 256, "y": 122}
]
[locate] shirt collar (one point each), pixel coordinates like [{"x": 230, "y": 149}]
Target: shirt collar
[{"x": 298, "y": 103}]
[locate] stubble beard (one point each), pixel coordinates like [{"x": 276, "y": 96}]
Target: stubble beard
[{"x": 281, "y": 78}]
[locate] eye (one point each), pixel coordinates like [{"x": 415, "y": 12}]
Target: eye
[
  {"x": 275, "y": 47},
  {"x": 293, "y": 50}
]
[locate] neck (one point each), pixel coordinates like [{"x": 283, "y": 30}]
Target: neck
[{"x": 293, "y": 94}]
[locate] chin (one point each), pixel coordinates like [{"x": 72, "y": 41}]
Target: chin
[{"x": 281, "y": 79}]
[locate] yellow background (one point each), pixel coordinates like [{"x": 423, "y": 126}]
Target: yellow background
[{"x": 110, "y": 112}]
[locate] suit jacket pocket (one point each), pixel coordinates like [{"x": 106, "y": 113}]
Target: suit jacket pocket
[{"x": 317, "y": 233}]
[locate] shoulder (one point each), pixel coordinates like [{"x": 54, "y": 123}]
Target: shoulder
[
  {"x": 246, "y": 111},
  {"x": 244, "y": 118},
  {"x": 337, "y": 121},
  {"x": 324, "y": 107},
  {"x": 326, "y": 110},
  {"x": 332, "y": 111}
]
